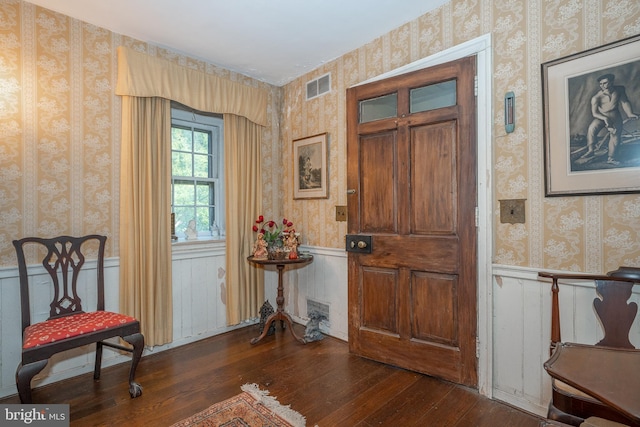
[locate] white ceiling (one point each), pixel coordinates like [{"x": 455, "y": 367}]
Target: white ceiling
[{"x": 274, "y": 41}]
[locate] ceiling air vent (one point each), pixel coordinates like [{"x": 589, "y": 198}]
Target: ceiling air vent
[{"x": 319, "y": 86}]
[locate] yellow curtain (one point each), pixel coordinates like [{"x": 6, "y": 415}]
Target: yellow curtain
[
  {"x": 143, "y": 75},
  {"x": 145, "y": 216},
  {"x": 245, "y": 283},
  {"x": 146, "y": 84}
]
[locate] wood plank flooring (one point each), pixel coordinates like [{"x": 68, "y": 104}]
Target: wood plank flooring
[{"x": 321, "y": 380}]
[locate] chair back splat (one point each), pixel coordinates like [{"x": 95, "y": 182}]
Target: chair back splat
[
  {"x": 602, "y": 379},
  {"x": 69, "y": 325}
]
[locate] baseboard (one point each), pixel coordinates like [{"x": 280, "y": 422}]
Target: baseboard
[{"x": 520, "y": 403}]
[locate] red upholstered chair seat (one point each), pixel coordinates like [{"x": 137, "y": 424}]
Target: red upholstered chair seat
[{"x": 66, "y": 327}]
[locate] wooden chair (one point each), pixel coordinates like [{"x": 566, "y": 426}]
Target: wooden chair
[
  {"x": 603, "y": 379},
  {"x": 68, "y": 325}
]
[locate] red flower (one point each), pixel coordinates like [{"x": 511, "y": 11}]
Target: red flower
[{"x": 270, "y": 229}]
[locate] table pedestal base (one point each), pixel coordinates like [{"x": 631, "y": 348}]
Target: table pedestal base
[
  {"x": 283, "y": 317},
  {"x": 279, "y": 314}
]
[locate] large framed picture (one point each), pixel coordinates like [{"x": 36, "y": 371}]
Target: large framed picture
[
  {"x": 310, "y": 167},
  {"x": 591, "y": 133}
]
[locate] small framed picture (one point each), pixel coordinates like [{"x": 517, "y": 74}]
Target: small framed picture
[
  {"x": 591, "y": 121},
  {"x": 310, "y": 173}
]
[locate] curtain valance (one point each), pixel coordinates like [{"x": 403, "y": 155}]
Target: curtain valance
[{"x": 142, "y": 75}]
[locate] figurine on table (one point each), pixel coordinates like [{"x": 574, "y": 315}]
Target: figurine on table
[
  {"x": 291, "y": 244},
  {"x": 260, "y": 247}
]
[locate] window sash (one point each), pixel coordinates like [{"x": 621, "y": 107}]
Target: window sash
[{"x": 197, "y": 196}]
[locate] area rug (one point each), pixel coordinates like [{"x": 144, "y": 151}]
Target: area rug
[{"x": 252, "y": 407}]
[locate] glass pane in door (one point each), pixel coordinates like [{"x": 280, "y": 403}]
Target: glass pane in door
[
  {"x": 379, "y": 108},
  {"x": 432, "y": 97}
]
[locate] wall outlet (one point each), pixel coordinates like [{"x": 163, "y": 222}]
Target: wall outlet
[{"x": 341, "y": 213}]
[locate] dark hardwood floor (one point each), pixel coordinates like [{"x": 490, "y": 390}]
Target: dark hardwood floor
[{"x": 321, "y": 380}]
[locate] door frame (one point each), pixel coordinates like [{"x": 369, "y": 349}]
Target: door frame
[{"x": 481, "y": 47}]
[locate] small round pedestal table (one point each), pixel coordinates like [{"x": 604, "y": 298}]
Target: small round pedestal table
[{"x": 280, "y": 314}]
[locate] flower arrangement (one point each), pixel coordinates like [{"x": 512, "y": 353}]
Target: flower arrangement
[
  {"x": 272, "y": 231},
  {"x": 275, "y": 240}
]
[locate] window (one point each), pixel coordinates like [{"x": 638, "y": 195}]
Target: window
[{"x": 197, "y": 186}]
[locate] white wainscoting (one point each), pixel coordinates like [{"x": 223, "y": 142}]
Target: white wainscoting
[
  {"x": 522, "y": 332},
  {"x": 520, "y": 310}
]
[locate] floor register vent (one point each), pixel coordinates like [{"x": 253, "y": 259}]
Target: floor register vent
[{"x": 319, "y": 307}]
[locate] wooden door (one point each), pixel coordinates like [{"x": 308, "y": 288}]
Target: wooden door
[{"x": 411, "y": 179}]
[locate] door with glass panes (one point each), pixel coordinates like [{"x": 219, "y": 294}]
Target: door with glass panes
[{"x": 411, "y": 183}]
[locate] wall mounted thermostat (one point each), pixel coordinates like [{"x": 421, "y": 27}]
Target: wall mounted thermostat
[{"x": 509, "y": 112}]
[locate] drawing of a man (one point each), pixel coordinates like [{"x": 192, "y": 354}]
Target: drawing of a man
[{"x": 605, "y": 109}]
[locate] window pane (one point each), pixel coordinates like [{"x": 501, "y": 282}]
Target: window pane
[
  {"x": 201, "y": 141},
  {"x": 201, "y": 164},
  {"x": 203, "y": 219},
  {"x": 183, "y": 215},
  {"x": 180, "y": 139},
  {"x": 432, "y": 97},
  {"x": 184, "y": 193},
  {"x": 181, "y": 164},
  {"x": 204, "y": 194},
  {"x": 379, "y": 108}
]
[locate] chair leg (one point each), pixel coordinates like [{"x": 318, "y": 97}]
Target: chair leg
[
  {"x": 98, "y": 365},
  {"x": 137, "y": 341},
  {"x": 556, "y": 414},
  {"x": 24, "y": 375}
]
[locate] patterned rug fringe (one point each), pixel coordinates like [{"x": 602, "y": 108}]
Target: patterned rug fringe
[{"x": 285, "y": 412}]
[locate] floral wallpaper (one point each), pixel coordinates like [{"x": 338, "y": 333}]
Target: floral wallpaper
[
  {"x": 60, "y": 126},
  {"x": 588, "y": 234}
]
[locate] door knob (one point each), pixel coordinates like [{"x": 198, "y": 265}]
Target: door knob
[{"x": 358, "y": 243}]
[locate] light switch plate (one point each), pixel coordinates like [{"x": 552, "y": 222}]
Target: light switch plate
[{"x": 341, "y": 213}]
